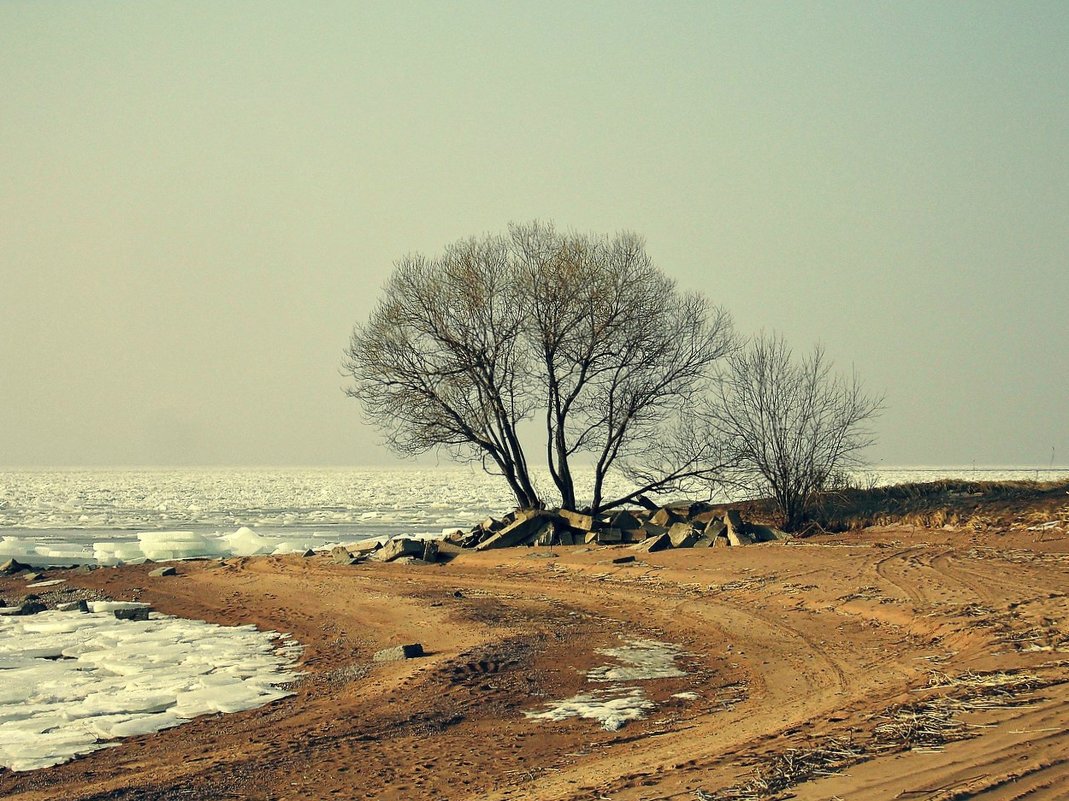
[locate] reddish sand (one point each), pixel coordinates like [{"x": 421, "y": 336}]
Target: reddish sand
[{"x": 787, "y": 645}]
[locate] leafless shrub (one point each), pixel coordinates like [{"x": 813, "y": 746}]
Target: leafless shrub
[{"x": 792, "y": 424}]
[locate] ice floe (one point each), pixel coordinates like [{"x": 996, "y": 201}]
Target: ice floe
[{"x": 71, "y": 682}]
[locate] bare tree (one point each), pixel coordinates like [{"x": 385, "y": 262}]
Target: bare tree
[
  {"x": 583, "y": 330},
  {"x": 442, "y": 361},
  {"x": 790, "y": 423},
  {"x": 622, "y": 352}
]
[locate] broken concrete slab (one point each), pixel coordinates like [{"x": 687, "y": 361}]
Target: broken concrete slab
[
  {"x": 652, "y": 530},
  {"x": 401, "y": 546},
  {"x": 132, "y": 613},
  {"x": 363, "y": 547},
  {"x": 660, "y": 542},
  {"x": 733, "y": 521},
  {"x": 766, "y": 533},
  {"x": 715, "y": 527},
  {"x": 27, "y": 607},
  {"x": 737, "y": 538},
  {"x": 665, "y": 517},
  {"x": 610, "y": 536},
  {"x": 577, "y": 520},
  {"x": 398, "y": 652},
  {"x": 524, "y": 529},
  {"x": 12, "y": 566},
  {"x": 682, "y": 535},
  {"x": 625, "y": 521},
  {"x": 339, "y": 554}
]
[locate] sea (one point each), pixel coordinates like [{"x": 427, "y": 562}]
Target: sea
[{"x": 106, "y": 516}]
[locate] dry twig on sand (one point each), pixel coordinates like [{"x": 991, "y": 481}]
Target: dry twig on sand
[{"x": 790, "y": 768}]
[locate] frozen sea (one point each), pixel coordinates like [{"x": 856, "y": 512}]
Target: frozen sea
[{"x": 107, "y": 515}]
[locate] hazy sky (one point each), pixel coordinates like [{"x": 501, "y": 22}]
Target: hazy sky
[{"x": 198, "y": 200}]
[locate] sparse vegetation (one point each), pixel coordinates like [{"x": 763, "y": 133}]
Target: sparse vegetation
[
  {"x": 977, "y": 505},
  {"x": 791, "y": 425}
]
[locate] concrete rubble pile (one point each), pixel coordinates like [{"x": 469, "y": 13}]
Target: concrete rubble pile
[
  {"x": 694, "y": 526},
  {"x": 404, "y": 550}
]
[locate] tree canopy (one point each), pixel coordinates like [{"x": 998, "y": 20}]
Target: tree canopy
[{"x": 581, "y": 333}]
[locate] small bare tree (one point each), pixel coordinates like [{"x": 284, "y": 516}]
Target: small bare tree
[
  {"x": 790, "y": 423},
  {"x": 582, "y": 330}
]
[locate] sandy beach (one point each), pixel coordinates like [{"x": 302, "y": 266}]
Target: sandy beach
[{"x": 785, "y": 648}]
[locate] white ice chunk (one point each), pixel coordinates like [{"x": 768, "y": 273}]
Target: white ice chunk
[
  {"x": 246, "y": 542},
  {"x": 16, "y": 547},
  {"x": 111, "y": 606}
]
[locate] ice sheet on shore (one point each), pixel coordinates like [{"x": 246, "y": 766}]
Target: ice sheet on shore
[{"x": 70, "y": 681}]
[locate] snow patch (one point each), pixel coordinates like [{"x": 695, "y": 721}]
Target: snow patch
[
  {"x": 614, "y": 706},
  {"x": 641, "y": 659}
]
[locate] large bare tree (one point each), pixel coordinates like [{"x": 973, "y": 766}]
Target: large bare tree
[
  {"x": 789, "y": 424},
  {"x": 442, "y": 362},
  {"x": 582, "y": 331}
]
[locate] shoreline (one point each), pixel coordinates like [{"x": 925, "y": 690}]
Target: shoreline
[{"x": 785, "y": 646}]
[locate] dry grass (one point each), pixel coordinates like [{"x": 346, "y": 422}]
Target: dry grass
[
  {"x": 972, "y": 505},
  {"x": 976, "y": 505}
]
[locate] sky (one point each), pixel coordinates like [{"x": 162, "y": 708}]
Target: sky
[{"x": 199, "y": 200}]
